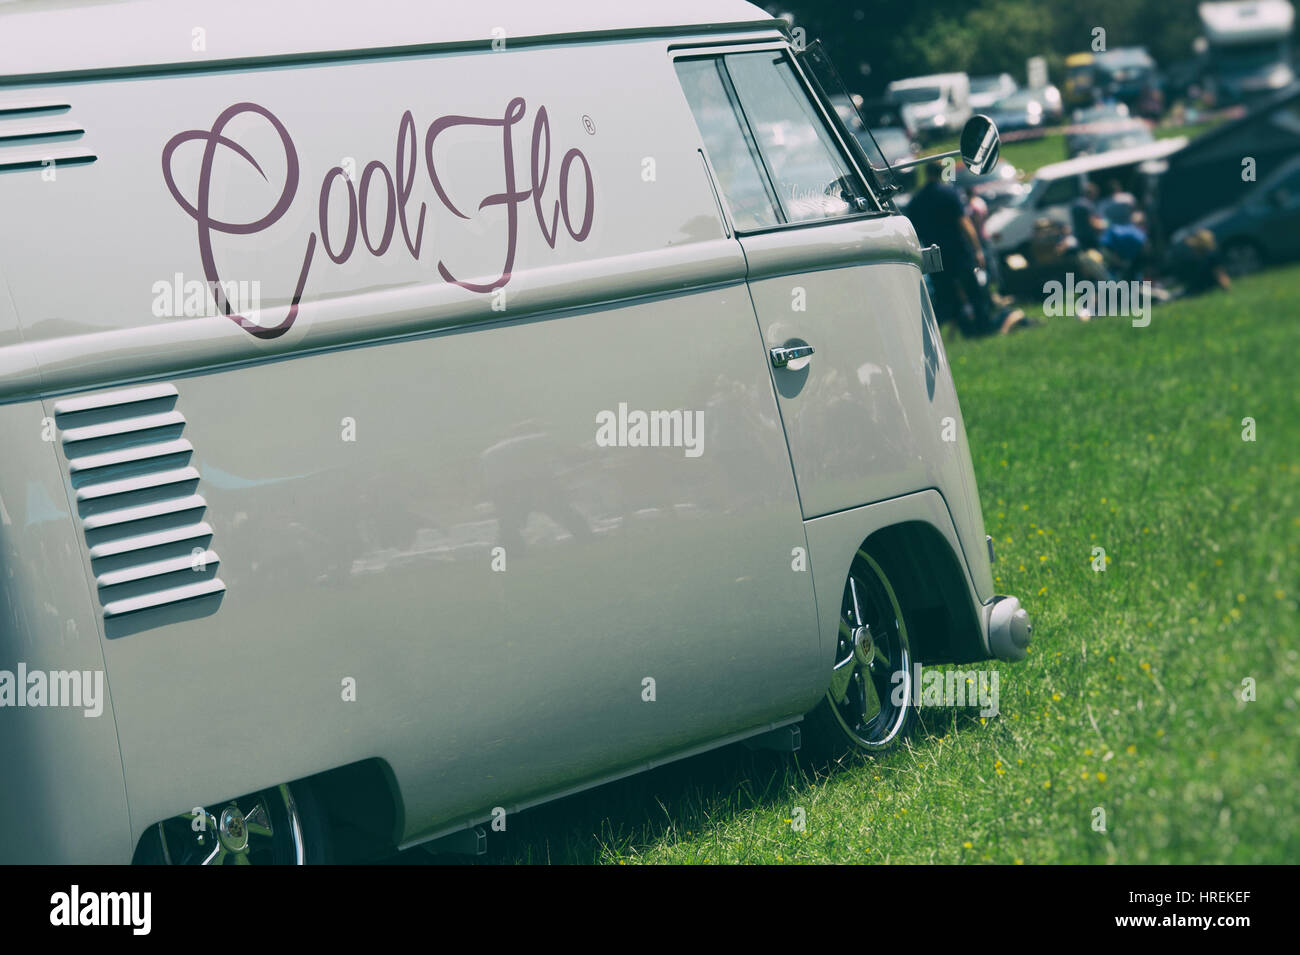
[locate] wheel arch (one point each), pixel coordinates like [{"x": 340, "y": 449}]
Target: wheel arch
[{"x": 932, "y": 589}]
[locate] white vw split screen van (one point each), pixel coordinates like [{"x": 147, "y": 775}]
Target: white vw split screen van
[{"x": 416, "y": 417}]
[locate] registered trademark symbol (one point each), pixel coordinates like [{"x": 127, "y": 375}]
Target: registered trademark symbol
[{"x": 590, "y": 126}]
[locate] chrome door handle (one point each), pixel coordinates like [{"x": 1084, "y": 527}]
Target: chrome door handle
[{"x": 785, "y": 354}]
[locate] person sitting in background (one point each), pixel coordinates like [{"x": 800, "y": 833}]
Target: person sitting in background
[
  {"x": 1055, "y": 250},
  {"x": 1119, "y": 204},
  {"x": 1124, "y": 245},
  {"x": 1196, "y": 264}
]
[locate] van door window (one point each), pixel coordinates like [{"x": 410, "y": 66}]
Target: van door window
[
  {"x": 732, "y": 151},
  {"x": 812, "y": 178},
  {"x": 776, "y": 160}
]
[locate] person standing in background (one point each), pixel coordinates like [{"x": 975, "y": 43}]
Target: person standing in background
[
  {"x": 1086, "y": 224},
  {"x": 939, "y": 216}
]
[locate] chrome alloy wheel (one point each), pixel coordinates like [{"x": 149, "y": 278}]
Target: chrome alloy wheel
[
  {"x": 261, "y": 829},
  {"x": 871, "y": 690}
]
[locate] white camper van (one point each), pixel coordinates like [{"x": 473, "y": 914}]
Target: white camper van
[
  {"x": 422, "y": 416},
  {"x": 933, "y": 107}
]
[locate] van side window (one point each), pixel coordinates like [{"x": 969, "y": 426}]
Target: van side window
[
  {"x": 803, "y": 172},
  {"x": 731, "y": 149}
]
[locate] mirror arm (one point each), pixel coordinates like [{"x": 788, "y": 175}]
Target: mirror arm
[{"x": 924, "y": 159}]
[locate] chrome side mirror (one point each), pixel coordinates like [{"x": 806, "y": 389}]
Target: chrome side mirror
[{"x": 980, "y": 145}]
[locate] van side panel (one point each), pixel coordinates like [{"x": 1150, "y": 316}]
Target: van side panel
[
  {"x": 482, "y": 677},
  {"x": 62, "y": 797},
  {"x": 427, "y": 552}
]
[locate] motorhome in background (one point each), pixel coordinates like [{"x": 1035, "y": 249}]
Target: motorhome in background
[
  {"x": 933, "y": 107},
  {"x": 1247, "y": 48}
]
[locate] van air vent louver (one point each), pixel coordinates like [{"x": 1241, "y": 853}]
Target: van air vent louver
[{"x": 137, "y": 496}]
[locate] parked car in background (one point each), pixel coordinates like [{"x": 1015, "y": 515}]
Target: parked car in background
[
  {"x": 1055, "y": 186},
  {"x": 1026, "y": 109},
  {"x": 1123, "y": 74},
  {"x": 1105, "y": 135},
  {"x": 897, "y": 147},
  {"x": 1086, "y": 121},
  {"x": 933, "y": 107},
  {"x": 999, "y": 188},
  {"x": 1260, "y": 229},
  {"x": 889, "y": 141},
  {"x": 987, "y": 90},
  {"x": 880, "y": 111}
]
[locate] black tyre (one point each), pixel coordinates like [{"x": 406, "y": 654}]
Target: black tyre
[{"x": 868, "y": 707}]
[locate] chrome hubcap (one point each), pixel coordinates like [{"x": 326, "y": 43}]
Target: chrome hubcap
[
  {"x": 871, "y": 684},
  {"x": 261, "y": 829},
  {"x": 233, "y": 832},
  {"x": 862, "y": 646}
]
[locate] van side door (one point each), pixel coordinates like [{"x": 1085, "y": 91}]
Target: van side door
[{"x": 865, "y": 395}]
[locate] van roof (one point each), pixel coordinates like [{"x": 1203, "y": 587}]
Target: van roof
[
  {"x": 1112, "y": 159},
  {"x": 44, "y": 39}
]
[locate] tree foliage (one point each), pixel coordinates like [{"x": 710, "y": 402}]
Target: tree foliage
[{"x": 875, "y": 41}]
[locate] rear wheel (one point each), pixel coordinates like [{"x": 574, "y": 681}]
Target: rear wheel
[
  {"x": 868, "y": 707},
  {"x": 283, "y": 825}
]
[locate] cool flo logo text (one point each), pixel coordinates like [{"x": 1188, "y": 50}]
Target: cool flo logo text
[{"x": 389, "y": 191}]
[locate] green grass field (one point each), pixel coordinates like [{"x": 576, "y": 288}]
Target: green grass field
[{"x": 1096, "y": 435}]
